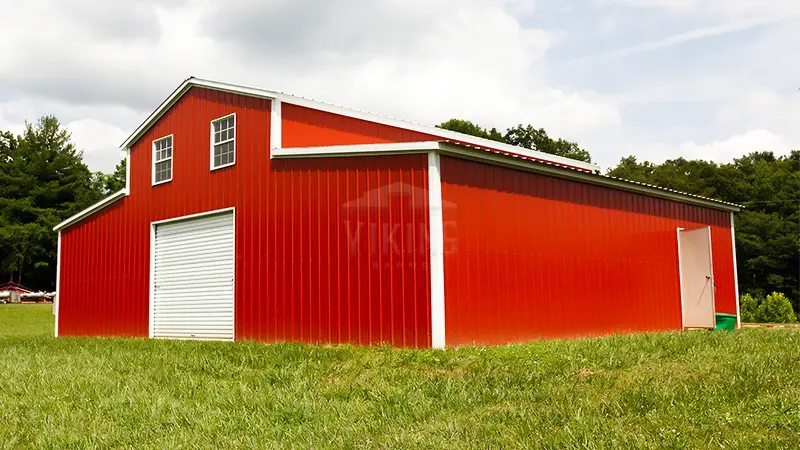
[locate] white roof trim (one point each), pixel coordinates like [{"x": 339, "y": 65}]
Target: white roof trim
[
  {"x": 461, "y": 151},
  {"x": 91, "y": 210},
  {"x": 354, "y": 150},
  {"x": 356, "y": 114}
]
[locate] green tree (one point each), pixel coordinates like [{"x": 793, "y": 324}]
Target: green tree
[
  {"x": 467, "y": 127},
  {"x": 43, "y": 180},
  {"x": 521, "y": 136},
  {"x": 776, "y": 308},
  {"x": 537, "y": 139},
  {"x": 115, "y": 182}
]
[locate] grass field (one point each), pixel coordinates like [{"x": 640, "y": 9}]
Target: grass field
[{"x": 675, "y": 390}]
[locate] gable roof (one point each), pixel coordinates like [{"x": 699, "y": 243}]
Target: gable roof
[{"x": 485, "y": 144}]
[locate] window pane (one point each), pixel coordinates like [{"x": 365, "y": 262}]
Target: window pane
[
  {"x": 223, "y": 154},
  {"x": 163, "y": 171},
  {"x": 216, "y": 126}
]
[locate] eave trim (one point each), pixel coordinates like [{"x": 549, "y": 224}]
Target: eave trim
[
  {"x": 464, "y": 152},
  {"x": 91, "y": 210}
]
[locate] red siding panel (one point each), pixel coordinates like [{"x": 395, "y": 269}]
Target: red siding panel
[
  {"x": 306, "y": 127},
  {"x": 332, "y": 250},
  {"x": 529, "y": 256}
]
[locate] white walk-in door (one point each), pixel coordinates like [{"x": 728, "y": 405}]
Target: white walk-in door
[
  {"x": 697, "y": 278},
  {"x": 193, "y": 267}
]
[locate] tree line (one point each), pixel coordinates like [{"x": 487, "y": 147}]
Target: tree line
[{"x": 43, "y": 180}]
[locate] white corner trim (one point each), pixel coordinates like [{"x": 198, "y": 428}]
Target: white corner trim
[
  {"x": 355, "y": 150},
  {"x": 436, "y": 244},
  {"x": 275, "y": 126},
  {"x": 128, "y": 171},
  {"x": 57, "y": 299},
  {"x": 735, "y": 276},
  {"x": 91, "y": 210},
  {"x": 680, "y": 275}
]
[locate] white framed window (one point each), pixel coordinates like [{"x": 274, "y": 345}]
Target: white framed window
[
  {"x": 162, "y": 160},
  {"x": 223, "y": 142}
]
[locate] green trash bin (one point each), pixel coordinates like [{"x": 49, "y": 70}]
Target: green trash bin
[{"x": 726, "y": 321}]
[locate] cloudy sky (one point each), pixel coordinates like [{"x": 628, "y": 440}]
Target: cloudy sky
[{"x": 709, "y": 79}]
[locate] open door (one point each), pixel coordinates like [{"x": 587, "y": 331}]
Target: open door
[{"x": 697, "y": 278}]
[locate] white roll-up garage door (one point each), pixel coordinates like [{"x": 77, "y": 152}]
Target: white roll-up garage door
[{"x": 193, "y": 269}]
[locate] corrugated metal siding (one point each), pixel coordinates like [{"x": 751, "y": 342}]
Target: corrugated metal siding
[
  {"x": 299, "y": 275},
  {"x": 529, "y": 256},
  {"x": 306, "y": 127}
]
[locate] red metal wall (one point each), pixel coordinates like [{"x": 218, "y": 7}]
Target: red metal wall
[
  {"x": 332, "y": 250},
  {"x": 306, "y": 127},
  {"x": 529, "y": 256}
]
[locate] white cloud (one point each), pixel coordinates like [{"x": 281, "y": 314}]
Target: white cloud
[
  {"x": 682, "y": 38},
  {"x": 99, "y": 141},
  {"x": 102, "y": 70},
  {"x": 412, "y": 59},
  {"x": 720, "y": 151},
  {"x": 726, "y": 8}
]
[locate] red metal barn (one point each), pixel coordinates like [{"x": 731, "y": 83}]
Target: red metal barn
[{"x": 253, "y": 214}]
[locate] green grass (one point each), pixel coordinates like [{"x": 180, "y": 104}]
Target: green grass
[{"x": 675, "y": 390}]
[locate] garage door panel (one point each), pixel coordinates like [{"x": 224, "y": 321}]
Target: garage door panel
[
  {"x": 193, "y": 273},
  {"x": 218, "y": 246}
]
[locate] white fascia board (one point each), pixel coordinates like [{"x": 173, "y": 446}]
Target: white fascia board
[
  {"x": 182, "y": 89},
  {"x": 91, "y": 210},
  {"x": 356, "y": 114},
  {"x": 584, "y": 177},
  {"x": 355, "y": 150},
  {"x": 470, "y": 153}
]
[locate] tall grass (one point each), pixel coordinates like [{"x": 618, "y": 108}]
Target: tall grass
[{"x": 674, "y": 390}]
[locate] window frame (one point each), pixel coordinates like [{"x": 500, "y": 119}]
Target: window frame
[
  {"x": 233, "y": 140},
  {"x": 171, "y": 159}
]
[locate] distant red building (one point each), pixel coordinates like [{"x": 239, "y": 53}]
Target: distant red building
[{"x": 252, "y": 214}]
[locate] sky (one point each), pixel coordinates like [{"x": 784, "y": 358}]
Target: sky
[{"x": 658, "y": 79}]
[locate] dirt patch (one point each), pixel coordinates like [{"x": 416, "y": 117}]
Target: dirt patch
[{"x": 589, "y": 372}]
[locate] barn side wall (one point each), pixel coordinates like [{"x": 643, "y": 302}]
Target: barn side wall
[
  {"x": 332, "y": 250},
  {"x": 529, "y": 256}
]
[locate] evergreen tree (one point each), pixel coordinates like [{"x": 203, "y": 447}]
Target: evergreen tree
[{"x": 43, "y": 180}]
